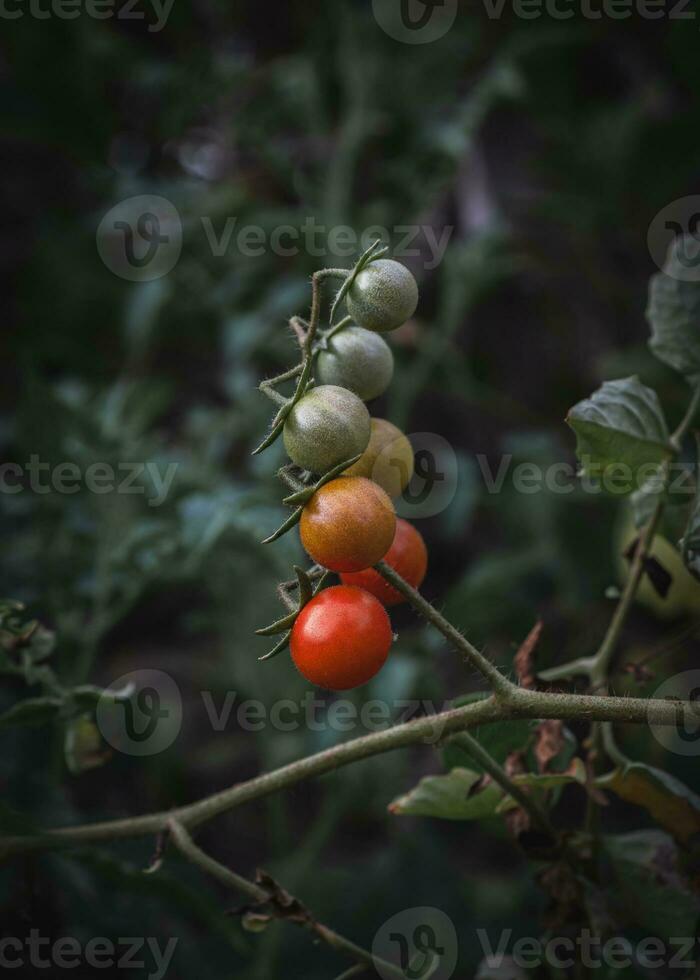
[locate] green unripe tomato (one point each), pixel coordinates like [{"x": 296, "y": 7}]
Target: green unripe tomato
[
  {"x": 683, "y": 597},
  {"x": 383, "y": 296},
  {"x": 357, "y": 359},
  {"x": 328, "y": 425}
]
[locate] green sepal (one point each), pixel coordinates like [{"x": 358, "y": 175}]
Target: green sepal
[
  {"x": 302, "y": 496},
  {"x": 375, "y": 251},
  {"x": 291, "y": 521}
]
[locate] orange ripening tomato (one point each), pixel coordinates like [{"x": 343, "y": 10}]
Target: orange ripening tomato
[
  {"x": 407, "y": 555},
  {"x": 341, "y": 638},
  {"x": 348, "y": 524}
]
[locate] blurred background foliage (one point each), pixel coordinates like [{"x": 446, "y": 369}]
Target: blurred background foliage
[{"x": 546, "y": 147}]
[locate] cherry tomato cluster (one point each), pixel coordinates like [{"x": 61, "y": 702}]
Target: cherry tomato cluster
[{"x": 341, "y": 636}]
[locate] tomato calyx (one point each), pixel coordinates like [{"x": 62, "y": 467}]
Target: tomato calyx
[
  {"x": 307, "y": 590},
  {"x": 303, "y": 494},
  {"x": 375, "y": 251}
]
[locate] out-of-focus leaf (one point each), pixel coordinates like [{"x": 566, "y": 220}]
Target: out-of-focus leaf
[
  {"x": 83, "y": 747},
  {"x": 621, "y": 423},
  {"x": 673, "y": 310},
  {"x": 31, "y": 711},
  {"x": 649, "y": 887},
  {"x": 668, "y": 800}
]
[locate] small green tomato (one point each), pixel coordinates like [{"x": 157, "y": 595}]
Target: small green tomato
[
  {"x": 383, "y": 296},
  {"x": 328, "y": 425},
  {"x": 357, "y": 359}
]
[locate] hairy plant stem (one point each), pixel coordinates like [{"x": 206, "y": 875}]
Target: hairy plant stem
[
  {"x": 476, "y": 750},
  {"x": 524, "y": 704},
  {"x": 262, "y": 896},
  {"x": 503, "y": 688}
]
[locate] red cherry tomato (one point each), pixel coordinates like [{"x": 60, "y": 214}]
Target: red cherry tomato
[
  {"x": 407, "y": 555},
  {"x": 341, "y": 638}
]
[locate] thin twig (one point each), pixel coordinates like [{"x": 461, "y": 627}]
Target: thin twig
[
  {"x": 476, "y": 750},
  {"x": 262, "y": 896}
]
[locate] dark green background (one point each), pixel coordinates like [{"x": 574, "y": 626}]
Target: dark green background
[{"x": 548, "y": 146}]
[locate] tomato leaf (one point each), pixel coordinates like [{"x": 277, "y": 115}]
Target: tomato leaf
[
  {"x": 652, "y": 892},
  {"x": 463, "y": 794},
  {"x": 621, "y": 423},
  {"x": 452, "y": 797},
  {"x": 669, "y": 801},
  {"x": 673, "y": 310}
]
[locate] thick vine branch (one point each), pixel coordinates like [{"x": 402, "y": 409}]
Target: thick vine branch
[{"x": 522, "y": 703}]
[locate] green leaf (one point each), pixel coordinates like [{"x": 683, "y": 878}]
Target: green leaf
[
  {"x": 652, "y": 892},
  {"x": 31, "y": 711},
  {"x": 669, "y": 801},
  {"x": 451, "y": 797},
  {"x": 621, "y": 423},
  {"x": 673, "y": 310}
]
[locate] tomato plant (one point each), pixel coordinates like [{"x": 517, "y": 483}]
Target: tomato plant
[
  {"x": 341, "y": 638},
  {"x": 407, "y": 555}
]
